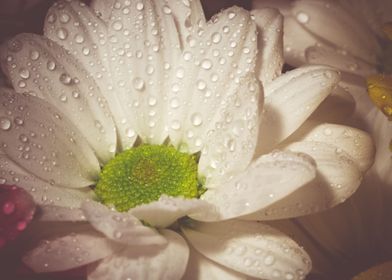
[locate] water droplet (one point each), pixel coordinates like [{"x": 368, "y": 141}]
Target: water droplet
[
  {"x": 34, "y": 55},
  {"x": 117, "y": 25},
  {"x": 130, "y": 132},
  {"x": 152, "y": 101},
  {"x": 51, "y": 65},
  {"x": 139, "y": 6},
  {"x": 269, "y": 260},
  {"x": 196, "y": 119},
  {"x": 206, "y": 64},
  {"x": 5, "y": 123},
  {"x": 180, "y": 73},
  {"x": 8, "y": 208},
  {"x": 79, "y": 38},
  {"x": 232, "y": 15},
  {"x": 175, "y": 125},
  {"x": 51, "y": 18},
  {"x": 216, "y": 38},
  {"x": 303, "y": 17},
  {"x": 24, "y": 73},
  {"x": 21, "y": 84},
  {"x": 174, "y": 103},
  {"x": 62, "y": 33},
  {"x": 65, "y": 79},
  {"x": 201, "y": 85},
  {"x": 86, "y": 51},
  {"x": 138, "y": 83},
  {"x": 15, "y": 45},
  {"x": 167, "y": 10},
  {"x": 327, "y": 131},
  {"x": 21, "y": 225},
  {"x": 64, "y": 18}
]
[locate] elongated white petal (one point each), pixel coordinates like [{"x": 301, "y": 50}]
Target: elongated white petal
[
  {"x": 354, "y": 142},
  {"x": 69, "y": 252},
  {"x": 148, "y": 263},
  {"x": 249, "y": 247},
  {"x": 44, "y": 142},
  {"x": 41, "y": 67},
  {"x": 120, "y": 227},
  {"x": 289, "y": 101},
  {"x": 269, "y": 179},
  {"x": 230, "y": 145},
  {"x": 87, "y": 39},
  {"x": 209, "y": 75},
  {"x": 339, "y": 59},
  {"x": 270, "y": 44},
  {"x": 51, "y": 213},
  {"x": 282, "y": 5},
  {"x": 332, "y": 23},
  {"x": 338, "y": 176},
  {"x": 165, "y": 211},
  {"x": 42, "y": 192},
  {"x": 199, "y": 267}
]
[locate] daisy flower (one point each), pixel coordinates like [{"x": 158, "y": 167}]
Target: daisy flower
[{"x": 142, "y": 131}]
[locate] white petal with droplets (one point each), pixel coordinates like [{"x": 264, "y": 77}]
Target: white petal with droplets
[
  {"x": 338, "y": 176},
  {"x": 120, "y": 227},
  {"x": 289, "y": 101},
  {"x": 49, "y": 213},
  {"x": 150, "y": 263},
  {"x": 251, "y": 248},
  {"x": 59, "y": 78},
  {"x": 266, "y": 181},
  {"x": 165, "y": 211},
  {"x": 270, "y": 44},
  {"x": 45, "y": 142},
  {"x": 42, "y": 192},
  {"x": 69, "y": 252}
]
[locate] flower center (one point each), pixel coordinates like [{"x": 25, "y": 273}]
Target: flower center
[{"x": 141, "y": 175}]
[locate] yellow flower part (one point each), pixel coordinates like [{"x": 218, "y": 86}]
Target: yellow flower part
[{"x": 380, "y": 92}]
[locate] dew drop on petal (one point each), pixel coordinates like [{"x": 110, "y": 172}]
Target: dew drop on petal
[
  {"x": 34, "y": 55},
  {"x": 138, "y": 83},
  {"x": 216, "y": 38},
  {"x": 65, "y": 79},
  {"x": 166, "y": 10},
  {"x": 117, "y": 25},
  {"x": 196, "y": 119},
  {"x": 62, "y": 33},
  {"x": 5, "y": 123},
  {"x": 64, "y": 18},
  {"x": 79, "y": 38},
  {"x": 24, "y": 73},
  {"x": 51, "y": 65},
  {"x": 8, "y": 208},
  {"x": 303, "y": 17},
  {"x": 206, "y": 64},
  {"x": 139, "y": 6}
]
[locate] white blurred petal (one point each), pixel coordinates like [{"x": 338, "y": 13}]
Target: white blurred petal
[
  {"x": 251, "y": 248},
  {"x": 69, "y": 252},
  {"x": 149, "y": 263}
]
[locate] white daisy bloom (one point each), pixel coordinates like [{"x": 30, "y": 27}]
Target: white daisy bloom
[{"x": 144, "y": 127}]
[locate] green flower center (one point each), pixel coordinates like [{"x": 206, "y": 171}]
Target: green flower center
[{"x": 141, "y": 175}]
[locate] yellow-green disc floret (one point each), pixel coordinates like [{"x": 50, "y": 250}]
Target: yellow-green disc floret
[{"x": 141, "y": 175}]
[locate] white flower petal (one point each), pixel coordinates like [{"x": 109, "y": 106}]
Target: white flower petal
[
  {"x": 269, "y": 179},
  {"x": 41, "y": 67},
  {"x": 230, "y": 145},
  {"x": 148, "y": 263},
  {"x": 270, "y": 44},
  {"x": 289, "y": 101},
  {"x": 249, "y": 247},
  {"x": 87, "y": 39},
  {"x": 49, "y": 213},
  {"x": 102, "y": 7},
  {"x": 209, "y": 75},
  {"x": 282, "y": 5},
  {"x": 337, "y": 179},
  {"x": 354, "y": 142},
  {"x": 339, "y": 59},
  {"x": 143, "y": 48},
  {"x": 45, "y": 142},
  {"x": 199, "y": 267},
  {"x": 42, "y": 192},
  {"x": 69, "y": 252},
  {"x": 332, "y": 23},
  {"x": 167, "y": 210},
  {"x": 120, "y": 227}
]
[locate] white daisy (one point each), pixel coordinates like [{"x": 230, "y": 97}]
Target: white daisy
[{"x": 155, "y": 115}]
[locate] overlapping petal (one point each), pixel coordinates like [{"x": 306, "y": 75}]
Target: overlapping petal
[
  {"x": 151, "y": 263},
  {"x": 251, "y": 248}
]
